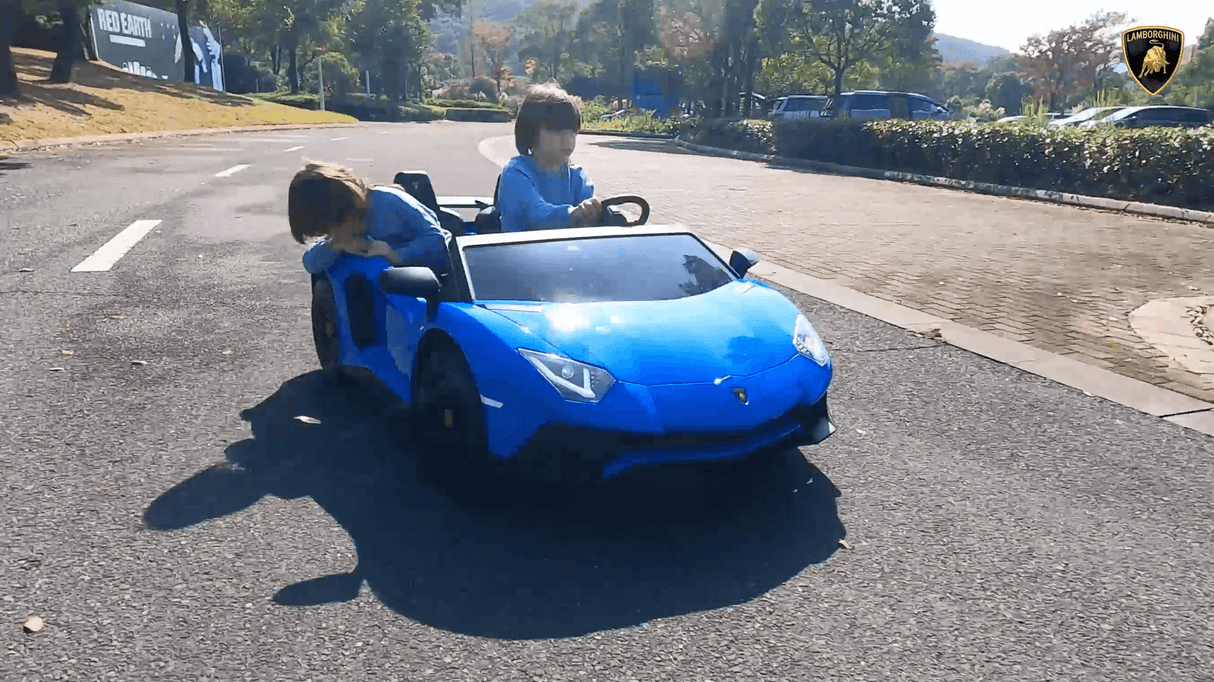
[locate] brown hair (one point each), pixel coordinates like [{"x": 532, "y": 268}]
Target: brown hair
[
  {"x": 327, "y": 199},
  {"x": 546, "y": 106}
]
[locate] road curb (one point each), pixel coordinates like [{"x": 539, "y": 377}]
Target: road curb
[
  {"x": 25, "y": 145},
  {"x": 624, "y": 133},
  {"x": 1121, "y": 205},
  {"x": 1138, "y": 395}
]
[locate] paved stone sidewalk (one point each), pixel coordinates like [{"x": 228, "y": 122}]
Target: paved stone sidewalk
[{"x": 1060, "y": 278}]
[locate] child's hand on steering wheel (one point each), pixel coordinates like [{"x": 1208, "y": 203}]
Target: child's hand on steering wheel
[{"x": 589, "y": 212}]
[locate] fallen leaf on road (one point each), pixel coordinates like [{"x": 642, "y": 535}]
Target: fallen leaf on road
[
  {"x": 139, "y": 363},
  {"x": 1192, "y": 288},
  {"x": 26, "y": 270},
  {"x": 844, "y": 543},
  {"x": 66, "y": 326},
  {"x": 32, "y": 624},
  {"x": 227, "y": 351},
  {"x": 862, "y": 432},
  {"x": 115, "y": 317},
  {"x": 67, "y": 353},
  {"x": 55, "y": 369},
  {"x": 934, "y": 334},
  {"x": 308, "y": 420}
]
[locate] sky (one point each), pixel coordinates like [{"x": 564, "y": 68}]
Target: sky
[{"x": 1009, "y": 24}]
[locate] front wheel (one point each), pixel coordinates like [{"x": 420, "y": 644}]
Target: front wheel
[{"x": 448, "y": 418}]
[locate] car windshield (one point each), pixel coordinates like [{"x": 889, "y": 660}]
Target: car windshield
[
  {"x": 1118, "y": 115},
  {"x": 1084, "y": 115},
  {"x": 655, "y": 267}
]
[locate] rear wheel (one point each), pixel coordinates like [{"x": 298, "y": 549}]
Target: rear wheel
[{"x": 324, "y": 325}]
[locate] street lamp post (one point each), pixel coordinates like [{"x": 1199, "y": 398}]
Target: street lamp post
[{"x": 320, "y": 72}]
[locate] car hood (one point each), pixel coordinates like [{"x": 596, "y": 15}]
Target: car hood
[{"x": 735, "y": 330}]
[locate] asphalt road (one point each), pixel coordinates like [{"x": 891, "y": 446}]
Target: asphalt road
[{"x": 173, "y": 520}]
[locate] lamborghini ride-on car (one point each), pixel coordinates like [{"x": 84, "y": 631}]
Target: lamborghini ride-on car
[{"x": 579, "y": 353}]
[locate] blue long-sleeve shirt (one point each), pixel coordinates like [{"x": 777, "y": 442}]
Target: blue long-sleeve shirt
[
  {"x": 395, "y": 217},
  {"x": 531, "y": 199}
]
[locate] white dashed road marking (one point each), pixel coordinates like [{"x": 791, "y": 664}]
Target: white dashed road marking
[
  {"x": 116, "y": 248},
  {"x": 293, "y": 149},
  {"x": 231, "y": 171},
  {"x": 339, "y": 139}
]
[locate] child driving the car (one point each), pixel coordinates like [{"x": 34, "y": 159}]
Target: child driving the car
[
  {"x": 539, "y": 188},
  {"x": 350, "y": 216}
]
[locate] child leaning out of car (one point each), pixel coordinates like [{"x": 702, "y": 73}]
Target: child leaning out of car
[
  {"x": 332, "y": 202},
  {"x": 539, "y": 187}
]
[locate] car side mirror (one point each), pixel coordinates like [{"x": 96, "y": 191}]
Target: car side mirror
[
  {"x": 742, "y": 260},
  {"x": 413, "y": 281}
]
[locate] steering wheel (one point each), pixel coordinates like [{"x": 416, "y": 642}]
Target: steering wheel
[{"x": 625, "y": 199}]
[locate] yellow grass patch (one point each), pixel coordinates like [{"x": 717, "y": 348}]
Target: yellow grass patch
[{"x": 104, "y": 100}]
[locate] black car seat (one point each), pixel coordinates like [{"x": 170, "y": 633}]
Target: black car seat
[
  {"x": 418, "y": 185},
  {"x": 489, "y": 220}
]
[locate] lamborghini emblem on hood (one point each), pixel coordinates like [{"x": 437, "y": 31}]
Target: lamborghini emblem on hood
[{"x": 740, "y": 394}]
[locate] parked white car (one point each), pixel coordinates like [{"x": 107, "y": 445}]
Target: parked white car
[
  {"x": 1090, "y": 114},
  {"x": 799, "y": 106}
]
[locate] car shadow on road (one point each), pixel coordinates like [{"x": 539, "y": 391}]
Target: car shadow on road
[
  {"x": 652, "y": 545},
  {"x": 638, "y": 144},
  {"x": 8, "y": 163}
]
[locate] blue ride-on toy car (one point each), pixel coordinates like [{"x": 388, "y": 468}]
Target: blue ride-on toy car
[{"x": 577, "y": 353}]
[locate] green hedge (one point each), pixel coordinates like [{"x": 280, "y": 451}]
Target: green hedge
[
  {"x": 362, "y": 108},
  {"x": 464, "y": 104},
  {"x": 479, "y": 115},
  {"x": 1173, "y": 166}
]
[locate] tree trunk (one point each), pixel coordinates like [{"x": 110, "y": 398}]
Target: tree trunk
[
  {"x": 839, "y": 91},
  {"x": 752, "y": 55},
  {"x": 293, "y": 70},
  {"x": 276, "y": 59},
  {"x": 8, "y": 69},
  {"x": 69, "y": 49},
  {"x": 187, "y": 43}
]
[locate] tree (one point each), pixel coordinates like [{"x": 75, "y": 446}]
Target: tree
[
  {"x": 841, "y": 34},
  {"x": 8, "y": 68},
  {"x": 545, "y": 33},
  {"x": 392, "y": 34},
  {"x": 628, "y": 26},
  {"x": 912, "y": 56},
  {"x": 1194, "y": 84},
  {"x": 492, "y": 41},
  {"x": 1006, "y": 91},
  {"x": 1066, "y": 62},
  {"x": 183, "y": 29}
]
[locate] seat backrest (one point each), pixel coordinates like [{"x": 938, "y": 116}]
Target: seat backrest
[
  {"x": 489, "y": 220},
  {"x": 418, "y": 185}
]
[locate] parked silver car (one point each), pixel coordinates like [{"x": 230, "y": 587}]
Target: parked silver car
[
  {"x": 1090, "y": 114},
  {"x": 881, "y": 104},
  {"x": 1151, "y": 116}
]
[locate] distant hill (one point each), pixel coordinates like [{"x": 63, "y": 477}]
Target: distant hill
[{"x": 953, "y": 49}]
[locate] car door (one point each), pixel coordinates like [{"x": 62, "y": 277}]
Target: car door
[
  {"x": 899, "y": 106},
  {"x": 405, "y": 318},
  {"x": 870, "y": 105}
]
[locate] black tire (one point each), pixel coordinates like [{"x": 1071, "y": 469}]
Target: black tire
[
  {"x": 448, "y": 418},
  {"x": 324, "y": 325}
]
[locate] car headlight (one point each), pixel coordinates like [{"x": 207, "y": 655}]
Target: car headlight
[
  {"x": 807, "y": 341},
  {"x": 574, "y": 380}
]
